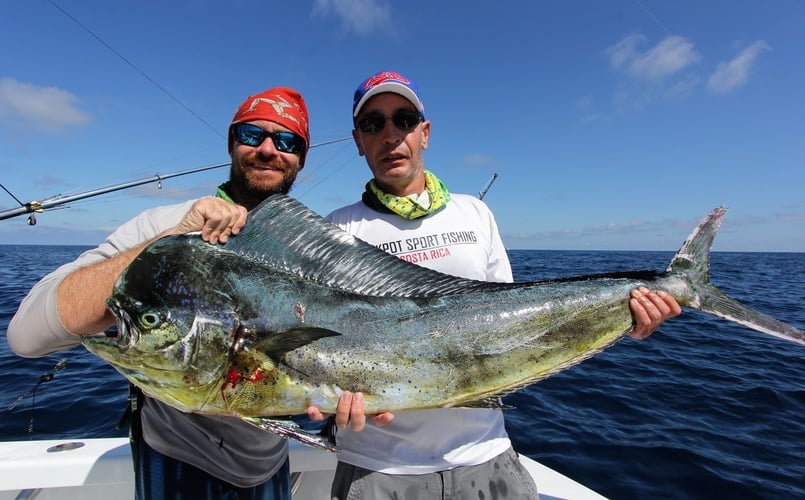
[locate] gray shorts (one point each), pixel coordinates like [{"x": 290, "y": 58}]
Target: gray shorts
[{"x": 502, "y": 477}]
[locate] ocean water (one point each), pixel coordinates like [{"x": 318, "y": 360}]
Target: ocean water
[{"x": 704, "y": 408}]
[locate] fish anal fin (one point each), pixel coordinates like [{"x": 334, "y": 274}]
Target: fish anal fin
[
  {"x": 491, "y": 403},
  {"x": 291, "y": 430}
]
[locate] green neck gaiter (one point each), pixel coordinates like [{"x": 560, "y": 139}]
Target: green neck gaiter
[
  {"x": 223, "y": 192},
  {"x": 406, "y": 206}
]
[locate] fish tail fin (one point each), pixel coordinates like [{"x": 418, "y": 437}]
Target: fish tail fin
[{"x": 692, "y": 262}]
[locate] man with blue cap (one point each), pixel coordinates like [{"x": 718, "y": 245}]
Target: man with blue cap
[{"x": 406, "y": 210}]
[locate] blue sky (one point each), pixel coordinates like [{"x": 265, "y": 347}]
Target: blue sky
[{"x": 612, "y": 125}]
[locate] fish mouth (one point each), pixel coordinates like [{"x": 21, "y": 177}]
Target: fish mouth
[
  {"x": 127, "y": 334},
  {"x": 129, "y": 347}
]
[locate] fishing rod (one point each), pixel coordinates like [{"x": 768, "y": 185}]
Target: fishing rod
[
  {"x": 482, "y": 193},
  {"x": 35, "y": 206}
]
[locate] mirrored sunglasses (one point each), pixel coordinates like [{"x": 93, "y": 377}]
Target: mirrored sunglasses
[
  {"x": 252, "y": 135},
  {"x": 403, "y": 119}
]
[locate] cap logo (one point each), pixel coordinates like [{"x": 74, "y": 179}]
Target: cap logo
[
  {"x": 384, "y": 77},
  {"x": 279, "y": 108}
]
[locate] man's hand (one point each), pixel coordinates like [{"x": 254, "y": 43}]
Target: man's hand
[
  {"x": 350, "y": 412},
  {"x": 216, "y": 218},
  {"x": 650, "y": 309}
]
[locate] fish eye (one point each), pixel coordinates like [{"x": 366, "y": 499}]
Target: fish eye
[{"x": 150, "y": 319}]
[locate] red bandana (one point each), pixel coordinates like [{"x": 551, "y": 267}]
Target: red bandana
[{"x": 280, "y": 105}]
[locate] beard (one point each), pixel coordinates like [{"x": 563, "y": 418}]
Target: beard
[{"x": 249, "y": 187}]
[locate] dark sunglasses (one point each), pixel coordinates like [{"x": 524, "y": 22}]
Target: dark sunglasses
[
  {"x": 403, "y": 119},
  {"x": 252, "y": 135}
]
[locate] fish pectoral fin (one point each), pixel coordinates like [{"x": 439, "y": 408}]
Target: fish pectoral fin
[
  {"x": 291, "y": 430},
  {"x": 278, "y": 343}
]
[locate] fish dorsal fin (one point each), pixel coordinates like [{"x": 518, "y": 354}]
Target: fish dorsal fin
[{"x": 286, "y": 235}]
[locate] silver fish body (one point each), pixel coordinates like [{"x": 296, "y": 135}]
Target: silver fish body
[{"x": 293, "y": 312}]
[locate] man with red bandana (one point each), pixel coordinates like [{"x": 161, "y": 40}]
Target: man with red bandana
[{"x": 177, "y": 454}]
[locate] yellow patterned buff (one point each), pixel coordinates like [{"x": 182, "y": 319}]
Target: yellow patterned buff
[{"x": 407, "y": 207}]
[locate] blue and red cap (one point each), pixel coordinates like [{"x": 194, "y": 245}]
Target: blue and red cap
[{"x": 386, "y": 81}]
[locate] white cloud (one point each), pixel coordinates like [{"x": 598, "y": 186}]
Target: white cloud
[
  {"x": 790, "y": 217},
  {"x": 617, "y": 228},
  {"x": 659, "y": 72},
  {"x": 670, "y": 56},
  {"x": 360, "y": 16},
  {"x": 479, "y": 159},
  {"x": 41, "y": 108},
  {"x": 732, "y": 74},
  {"x": 682, "y": 87},
  {"x": 624, "y": 51}
]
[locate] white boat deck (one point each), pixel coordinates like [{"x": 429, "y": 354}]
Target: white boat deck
[{"x": 101, "y": 469}]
